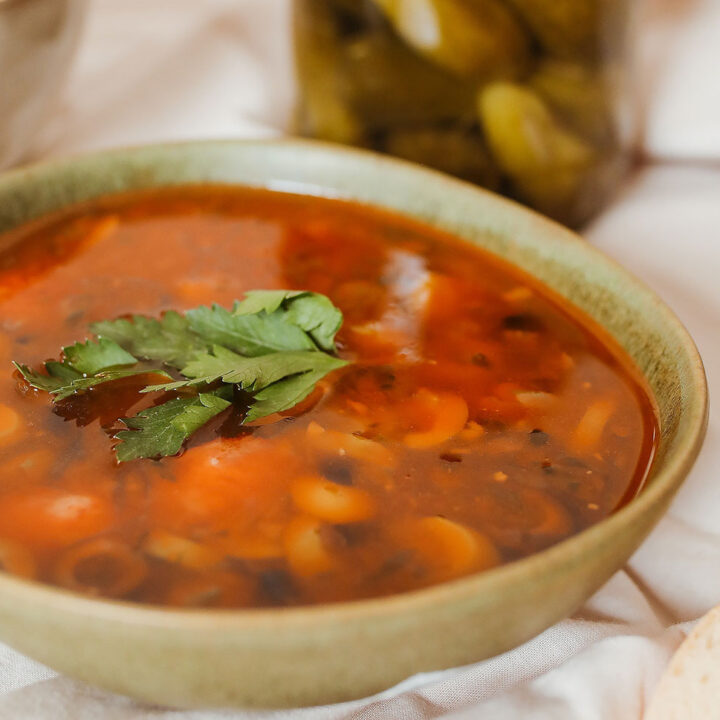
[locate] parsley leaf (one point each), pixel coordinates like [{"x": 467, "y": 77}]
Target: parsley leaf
[
  {"x": 93, "y": 356},
  {"x": 249, "y": 373},
  {"x": 287, "y": 393},
  {"x": 317, "y": 316},
  {"x": 168, "y": 340},
  {"x": 57, "y": 377},
  {"x": 274, "y": 345},
  {"x": 85, "y": 365},
  {"x": 161, "y": 430},
  {"x": 61, "y": 381},
  {"x": 312, "y": 312},
  {"x": 62, "y": 371},
  {"x": 268, "y": 321},
  {"x": 88, "y": 383},
  {"x": 250, "y": 335},
  {"x": 267, "y": 300}
]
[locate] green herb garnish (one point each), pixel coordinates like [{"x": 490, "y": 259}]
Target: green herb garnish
[
  {"x": 85, "y": 365},
  {"x": 274, "y": 346},
  {"x": 168, "y": 340},
  {"x": 162, "y": 430}
]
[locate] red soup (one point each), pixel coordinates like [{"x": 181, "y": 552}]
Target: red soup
[{"x": 478, "y": 419}]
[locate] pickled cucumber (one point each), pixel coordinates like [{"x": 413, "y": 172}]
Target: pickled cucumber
[
  {"x": 387, "y": 85},
  {"x": 482, "y": 38},
  {"x": 518, "y": 95},
  {"x": 323, "y": 111},
  {"x": 565, "y": 28},
  {"x": 459, "y": 152},
  {"x": 582, "y": 96},
  {"x": 546, "y": 163}
]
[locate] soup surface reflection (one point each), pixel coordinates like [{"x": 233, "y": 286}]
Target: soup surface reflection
[{"x": 478, "y": 422}]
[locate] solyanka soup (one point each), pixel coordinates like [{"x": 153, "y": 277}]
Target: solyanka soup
[{"x": 466, "y": 418}]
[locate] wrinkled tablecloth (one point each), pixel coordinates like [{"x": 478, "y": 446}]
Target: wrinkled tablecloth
[{"x": 177, "y": 69}]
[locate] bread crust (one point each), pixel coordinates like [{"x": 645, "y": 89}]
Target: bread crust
[{"x": 690, "y": 686}]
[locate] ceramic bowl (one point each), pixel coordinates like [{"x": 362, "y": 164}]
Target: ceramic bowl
[{"x": 312, "y": 655}]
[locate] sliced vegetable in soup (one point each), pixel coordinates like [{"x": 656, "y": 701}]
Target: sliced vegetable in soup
[{"x": 235, "y": 398}]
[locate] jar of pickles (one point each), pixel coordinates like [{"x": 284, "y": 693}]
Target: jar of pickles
[{"x": 526, "y": 97}]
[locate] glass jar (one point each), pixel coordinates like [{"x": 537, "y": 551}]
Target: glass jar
[{"x": 525, "y": 97}]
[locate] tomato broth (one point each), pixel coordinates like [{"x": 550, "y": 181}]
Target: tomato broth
[{"x": 479, "y": 420}]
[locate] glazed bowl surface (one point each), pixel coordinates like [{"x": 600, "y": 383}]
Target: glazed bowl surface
[{"x": 324, "y": 654}]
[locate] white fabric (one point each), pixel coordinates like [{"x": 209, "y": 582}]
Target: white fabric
[
  {"x": 176, "y": 69},
  {"x": 679, "y": 52}
]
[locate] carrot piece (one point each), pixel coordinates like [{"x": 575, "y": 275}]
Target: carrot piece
[
  {"x": 48, "y": 517},
  {"x": 17, "y": 560},
  {"x": 101, "y": 566},
  {"x": 304, "y": 548},
  {"x": 449, "y": 412},
  {"x": 226, "y": 483},
  {"x": 10, "y": 426},
  {"x": 331, "y": 502}
]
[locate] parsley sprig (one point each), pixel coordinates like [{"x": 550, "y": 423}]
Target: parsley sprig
[{"x": 274, "y": 345}]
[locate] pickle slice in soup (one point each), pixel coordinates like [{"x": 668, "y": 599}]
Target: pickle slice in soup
[
  {"x": 546, "y": 162},
  {"x": 458, "y": 152},
  {"x": 468, "y": 37}
]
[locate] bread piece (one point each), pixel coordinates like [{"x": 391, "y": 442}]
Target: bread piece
[{"x": 690, "y": 687}]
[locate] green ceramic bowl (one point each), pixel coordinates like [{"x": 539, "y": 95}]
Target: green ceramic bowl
[{"x": 289, "y": 657}]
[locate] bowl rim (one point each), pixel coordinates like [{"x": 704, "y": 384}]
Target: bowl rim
[{"x": 663, "y": 485}]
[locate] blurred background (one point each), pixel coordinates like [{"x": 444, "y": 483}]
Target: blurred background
[
  {"x": 552, "y": 103},
  {"x": 623, "y": 117}
]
